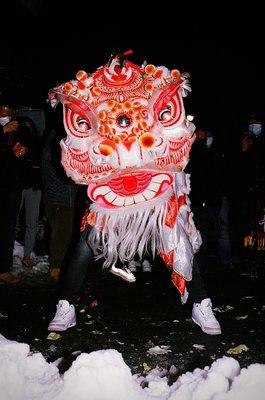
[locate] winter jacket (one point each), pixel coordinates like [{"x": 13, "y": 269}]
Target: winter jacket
[{"x": 58, "y": 189}]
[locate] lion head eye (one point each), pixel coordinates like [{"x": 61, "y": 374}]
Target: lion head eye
[
  {"x": 124, "y": 121},
  {"x": 83, "y": 125},
  {"x": 77, "y": 124},
  {"x": 165, "y": 115}
]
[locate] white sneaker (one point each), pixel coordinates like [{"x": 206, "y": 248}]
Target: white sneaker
[
  {"x": 123, "y": 273},
  {"x": 133, "y": 265},
  {"x": 202, "y": 315},
  {"x": 64, "y": 318},
  {"x": 147, "y": 266}
]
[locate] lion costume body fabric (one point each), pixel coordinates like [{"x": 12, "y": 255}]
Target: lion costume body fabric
[{"x": 128, "y": 140}]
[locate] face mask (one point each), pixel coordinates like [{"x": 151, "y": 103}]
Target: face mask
[
  {"x": 209, "y": 141},
  {"x": 4, "y": 120},
  {"x": 255, "y": 129}
]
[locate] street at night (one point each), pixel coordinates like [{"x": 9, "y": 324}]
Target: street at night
[{"x": 134, "y": 317}]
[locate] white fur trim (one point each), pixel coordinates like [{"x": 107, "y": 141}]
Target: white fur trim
[{"x": 128, "y": 231}]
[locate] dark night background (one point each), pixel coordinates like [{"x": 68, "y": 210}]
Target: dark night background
[{"x": 45, "y": 42}]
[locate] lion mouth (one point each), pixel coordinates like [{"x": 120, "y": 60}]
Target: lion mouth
[{"x": 129, "y": 189}]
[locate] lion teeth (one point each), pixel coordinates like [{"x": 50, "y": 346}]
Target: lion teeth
[
  {"x": 138, "y": 198},
  {"x": 110, "y": 197},
  {"x": 119, "y": 201},
  {"x": 161, "y": 178},
  {"x": 102, "y": 190}
]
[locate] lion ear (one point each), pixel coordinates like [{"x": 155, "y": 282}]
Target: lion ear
[
  {"x": 52, "y": 98},
  {"x": 185, "y": 85}
]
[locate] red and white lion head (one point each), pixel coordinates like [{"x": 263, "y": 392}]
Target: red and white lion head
[{"x": 127, "y": 131}]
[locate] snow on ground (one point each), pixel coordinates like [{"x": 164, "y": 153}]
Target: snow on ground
[
  {"x": 42, "y": 265},
  {"x": 103, "y": 375}
]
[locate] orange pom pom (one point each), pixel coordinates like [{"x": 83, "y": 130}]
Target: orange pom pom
[
  {"x": 107, "y": 147},
  {"x": 68, "y": 87},
  {"x": 175, "y": 73},
  {"x": 102, "y": 115},
  {"x": 110, "y": 143},
  {"x": 103, "y": 129},
  {"x": 111, "y": 121},
  {"x": 127, "y": 105},
  {"x": 96, "y": 90},
  {"x": 149, "y": 69},
  {"x": 111, "y": 103},
  {"x": 81, "y": 75},
  {"x": 105, "y": 150},
  {"x": 117, "y": 139},
  {"x": 149, "y": 87},
  {"x": 147, "y": 140}
]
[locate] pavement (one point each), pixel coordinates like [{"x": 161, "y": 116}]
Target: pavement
[{"x": 136, "y": 317}]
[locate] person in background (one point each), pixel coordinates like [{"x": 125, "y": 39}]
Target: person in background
[
  {"x": 59, "y": 194},
  {"x": 210, "y": 195},
  {"x": 145, "y": 264},
  {"x": 31, "y": 194},
  {"x": 250, "y": 181},
  {"x": 14, "y": 145},
  {"x": 210, "y": 206}
]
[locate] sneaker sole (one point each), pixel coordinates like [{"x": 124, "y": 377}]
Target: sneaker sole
[
  {"x": 209, "y": 332},
  {"x": 54, "y": 329},
  {"x": 123, "y": 277}
]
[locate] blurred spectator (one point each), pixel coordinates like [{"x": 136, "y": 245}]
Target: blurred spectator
[
  {"x": 134, "y": 264},
  {"x": 210, "y": 195},
  {"x": 14, "y": 145},
  {"x": 31, "y": 194},
  {"x": 250, "y": 181},
  {"x": 59, "y": 193}
]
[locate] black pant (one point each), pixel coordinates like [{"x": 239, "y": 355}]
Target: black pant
[
  {"x": 195, "y": 287},
  {"x": 10, "y": 198},
  {"x": 79, "y": 270},
  {"x": 61, "y": 221}
]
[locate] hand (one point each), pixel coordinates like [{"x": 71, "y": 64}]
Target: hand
[
  {"x": 19, "y": 150},
  {"x": 248, "y": 240},
  {"x": 261, "y": 241},
  {"x": 12, "y": 126},
  {"x": 246, "y": 143}
]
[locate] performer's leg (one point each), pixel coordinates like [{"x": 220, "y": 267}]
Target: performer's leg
[
  {"x": 77, "y": 270},
  {"x": 196, "y": 287},
  {"x": 32, "y": 199},
  {"x": 78, "y": 267},
  {"x": 202, "y": 313},
  {"x": 202, "y": 217}
]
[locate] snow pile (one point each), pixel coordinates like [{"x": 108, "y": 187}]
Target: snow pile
[
  {"x": 42, "y": 262},
  {"x": 103, "y": 375},
  {"x": 26, "y": 376}
]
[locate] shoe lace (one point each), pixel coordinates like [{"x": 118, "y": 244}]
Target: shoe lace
[
  {"x": 61, "y": 311},
  {"x": 208, "y": 312}
]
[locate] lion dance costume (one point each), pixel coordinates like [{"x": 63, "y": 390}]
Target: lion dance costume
[{"x": 128, "y": 140}]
